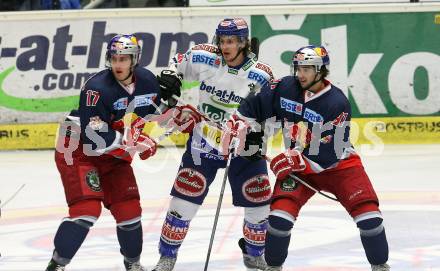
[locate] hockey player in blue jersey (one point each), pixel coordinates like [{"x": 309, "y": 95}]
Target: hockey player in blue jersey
[
  {"x": 227, "y": 71},
  {"x": 315, "y": 117},
  {"x": 95, "y": 148}
]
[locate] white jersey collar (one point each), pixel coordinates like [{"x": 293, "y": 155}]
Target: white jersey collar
[{"x": 308, "y": 95}]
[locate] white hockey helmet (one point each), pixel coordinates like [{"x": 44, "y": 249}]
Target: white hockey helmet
[
  {"x": 123, "y": 45},
  {"x": 310, "y": 55}
]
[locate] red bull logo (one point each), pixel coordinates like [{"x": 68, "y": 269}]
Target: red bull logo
[{"x": 320, "y": 51}]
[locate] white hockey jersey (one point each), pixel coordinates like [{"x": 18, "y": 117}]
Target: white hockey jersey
[{"x": 217, "y": 88}]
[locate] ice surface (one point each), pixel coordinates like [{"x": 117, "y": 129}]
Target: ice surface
[{"x": 406, "y": 178}]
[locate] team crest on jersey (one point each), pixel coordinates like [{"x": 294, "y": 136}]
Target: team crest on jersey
[
  {"x": 257, "y": 189},
  {"x": 190, "y": 182},
  {"x": 92, "y": 180},
  {"x": 288, "y": 185},
  {"x": 291, "y": 106},
  {"x": 312, "y": 116}
]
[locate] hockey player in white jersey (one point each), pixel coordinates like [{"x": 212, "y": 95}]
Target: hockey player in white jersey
[{"x": 227, "y": 71}]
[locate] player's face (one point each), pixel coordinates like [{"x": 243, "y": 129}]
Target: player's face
[
  {"x": 230, "y": 46},
  {"x": 121, "y": 65},
  {"x": 306, "y": 75}
]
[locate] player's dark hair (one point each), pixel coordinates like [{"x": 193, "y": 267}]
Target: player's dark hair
[{"x": 324, "y": 72}]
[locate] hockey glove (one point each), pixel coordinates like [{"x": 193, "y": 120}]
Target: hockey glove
[
  {"x": 287, "y": 162},
  {"x": 136, "y": 140},
  {"x": 128, "y": 121},
  {"x": 234, "y": 131},
  {"x": 140, "y": 142},
  {"x": 186, "y": 118},
  {"x": 170, "y": 83}
]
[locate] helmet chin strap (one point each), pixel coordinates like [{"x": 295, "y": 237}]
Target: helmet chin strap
[
  {"x": 238, "y": 54},
  {"x": 312, "y": 83},
  {"x": 128, "y": 76}
]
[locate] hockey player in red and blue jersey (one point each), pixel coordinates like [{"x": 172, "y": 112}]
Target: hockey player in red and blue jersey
[
  {"x": 95, "y": 148},
  {"x": 315, "y": 117}
]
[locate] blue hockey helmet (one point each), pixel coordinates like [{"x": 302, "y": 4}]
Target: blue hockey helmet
[
  {"x": 123, "y": 45},
  {"x": 232, "y": 27},
  {"x": 310, "y": 55}
]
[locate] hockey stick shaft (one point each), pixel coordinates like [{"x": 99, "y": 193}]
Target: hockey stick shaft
[
  {"x": 219, "y": 204},
  {"x": 10, "y": 198}
]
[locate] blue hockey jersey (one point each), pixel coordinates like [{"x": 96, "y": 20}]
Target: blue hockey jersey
[
  {"x": 317, "y": 124},
  {"x": 104, "y": 101}
]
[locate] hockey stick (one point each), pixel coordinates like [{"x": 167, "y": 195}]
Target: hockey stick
[
  {"x": 296, "y": 178},
  {"x": 10, "y": 198},
  {"x": 219, "y": 204}
]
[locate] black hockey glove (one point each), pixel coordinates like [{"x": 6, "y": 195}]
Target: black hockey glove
[
  {"x": 253, "y": 141},
  {"x": 170, "y": 83}
]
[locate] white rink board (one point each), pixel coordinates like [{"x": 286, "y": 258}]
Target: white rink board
[
  {"x": 212, "y": 3},
  {"x": 324, "y": 238}
]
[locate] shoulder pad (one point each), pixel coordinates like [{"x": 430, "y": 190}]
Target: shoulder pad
[
  {"x": 206, "y": 47},
  {"x": 142, "y": 72},
  {"x": 95, "y": 79},
  {"x": 266, "y": 68}
]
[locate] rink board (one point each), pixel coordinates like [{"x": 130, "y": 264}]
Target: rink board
[
  {"x": 376, "y": 56},
  {"x": 370, "y": 131}
]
